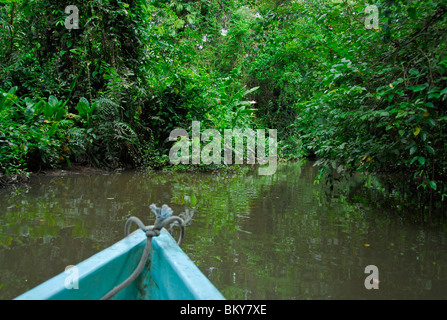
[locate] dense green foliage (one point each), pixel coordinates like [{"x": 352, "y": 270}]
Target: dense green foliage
[{"x": 109, "y": 93}]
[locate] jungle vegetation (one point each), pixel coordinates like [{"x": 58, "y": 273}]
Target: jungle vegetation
[{"x": 109, "y": 93}]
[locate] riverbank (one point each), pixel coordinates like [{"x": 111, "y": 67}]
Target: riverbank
[
  {"x": 17, "y": 179},
  {"x": 71, "y": 170},
  {"x": 8, "y": 180},
  {"x": 78, "y": 169}
]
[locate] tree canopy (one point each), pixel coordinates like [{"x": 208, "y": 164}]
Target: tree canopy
[{"x": 358, "y": 96}]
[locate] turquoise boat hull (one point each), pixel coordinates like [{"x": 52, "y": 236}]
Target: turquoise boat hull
[{"x": 169, "y": 274}]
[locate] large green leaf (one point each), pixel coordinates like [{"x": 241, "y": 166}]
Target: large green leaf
[{"x": 418, "y": 88}]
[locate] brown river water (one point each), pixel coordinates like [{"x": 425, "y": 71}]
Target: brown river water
[{"x": 255, "y": 237}]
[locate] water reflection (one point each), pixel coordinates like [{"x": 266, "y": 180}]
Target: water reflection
[{"x": 255, "y": 237}]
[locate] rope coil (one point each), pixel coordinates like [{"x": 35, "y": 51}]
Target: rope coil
[{"x": 151, "y": 231}]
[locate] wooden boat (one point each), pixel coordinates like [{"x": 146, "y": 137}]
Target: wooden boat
[{"x": 168, "y": 274}]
